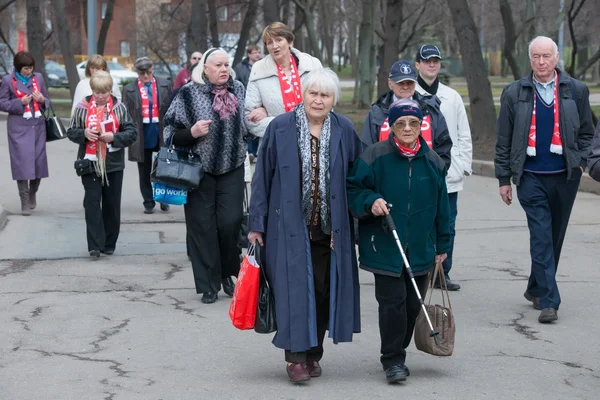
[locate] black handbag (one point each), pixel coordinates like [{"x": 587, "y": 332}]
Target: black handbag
[
  {"x": 84, "y": 167},
  {"x": 55, "y": 130},
  {"x": 243, "y": 238},
  {"x": 181, "y": 169},
  {"x": 265, "y": 321}
]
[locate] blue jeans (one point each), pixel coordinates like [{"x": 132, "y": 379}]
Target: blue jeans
[
  {"x": 253, "y": 146},
  {"x": 453, "y": 199},
  {"x": 547, "y": 201}
]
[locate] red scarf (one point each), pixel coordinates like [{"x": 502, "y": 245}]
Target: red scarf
[
  {"x": 92, "y": 121},
  {"x": 426, "y": 131},
  {"x": 146, "y": 102},
  {"x": 556, "y": 145},
  {"x": 291, "y": 94},
  {"x": 36, "y": 106},
  {"x": 406, "y": 151}
]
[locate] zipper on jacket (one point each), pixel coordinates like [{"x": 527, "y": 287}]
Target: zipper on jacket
[{"x": 408, "y": 213}]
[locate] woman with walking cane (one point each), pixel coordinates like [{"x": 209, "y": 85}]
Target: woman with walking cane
[{"x": 402, "y": 171}]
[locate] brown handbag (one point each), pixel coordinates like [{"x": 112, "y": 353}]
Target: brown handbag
[{"x": 442, "y": 319}]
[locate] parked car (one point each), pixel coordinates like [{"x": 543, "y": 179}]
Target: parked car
[
  {"x": 117, "y": 71},
  {"x": 161, "y": 71},
  {"x": 57, "y": 75}
]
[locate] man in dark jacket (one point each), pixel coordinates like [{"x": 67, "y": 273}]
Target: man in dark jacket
[
  {"x": 402, "y": 82},
  {"x": 147, "y": 100},
  {"x": 543, "y": 137},
  {"x": 242, "y": 74},
  {"x": 401, "y": 170}
]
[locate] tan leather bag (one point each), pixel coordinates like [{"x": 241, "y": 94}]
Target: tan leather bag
[{"x": 442, "y": 319}]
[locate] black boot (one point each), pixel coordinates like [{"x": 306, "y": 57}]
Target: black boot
[
  {"x": 228, "y": 286},
  {"x": 24, "y": 195},
  {"x": 33, "y": 188},
  {"x": 209, "y": 297}
]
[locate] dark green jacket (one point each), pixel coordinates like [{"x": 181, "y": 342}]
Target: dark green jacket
[{"x": 416, "y": 187}]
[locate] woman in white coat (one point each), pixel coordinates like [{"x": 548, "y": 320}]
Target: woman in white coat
[
  {"x": 275, "y": 84},
  {"x": 95, "y": 63}
]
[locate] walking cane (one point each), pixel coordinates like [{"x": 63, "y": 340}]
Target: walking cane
[{"x": 392, "y": 226}]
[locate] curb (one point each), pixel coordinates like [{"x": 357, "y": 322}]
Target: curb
[
  {"x": 3, "y": 217},
  {"x": 486, "y": 168}
]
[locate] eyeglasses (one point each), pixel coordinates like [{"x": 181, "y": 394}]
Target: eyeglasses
[
  {"x": 144, "y": 72},
  {"x": 413, "y": 123},
  {"x": 196, "y": 58}
]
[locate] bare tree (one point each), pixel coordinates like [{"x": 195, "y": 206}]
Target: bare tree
[
  {"x": 65, "y": 45},
  {"x": 110, "y": 7},
  {"x": 589, "y": 63},
  {"x": 214, "y": 23},
  {"x": 247, "y": 25},
  {"x": 306, "y": 7},
  {"x": 270, "y": 11},
  {"x": 510, "y": 38},
  {"x": 572, "y": 14},
  {"x": 366, "y": 54},
  {"x": 483, "y": 112},
  {"x": 3, "y": 7},
  {"x": 196, "y": 38},
  {"x": 390, "y": 47},
  {"x": 35, "y": 35}
]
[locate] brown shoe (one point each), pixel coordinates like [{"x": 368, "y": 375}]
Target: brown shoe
[
  {"x": 314, "y": 369},
  {"x": 548, "y": 315},
  {"x": 297, "y": 373},
  {"x": 534, "y": 300}
]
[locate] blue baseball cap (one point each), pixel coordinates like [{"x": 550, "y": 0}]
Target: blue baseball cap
[
  {"x": 428, "y": 51},
  {"x": 403, "y": 71}
]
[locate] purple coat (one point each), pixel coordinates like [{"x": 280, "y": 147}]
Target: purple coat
[{"x": 26, "y": 137}]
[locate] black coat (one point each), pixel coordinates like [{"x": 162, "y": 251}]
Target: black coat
[
  {"x": 133, "y": 102},
  {"x": 242, "y": 71}
]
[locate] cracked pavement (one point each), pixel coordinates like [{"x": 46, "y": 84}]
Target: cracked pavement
[{"x": 130, "y": 326}]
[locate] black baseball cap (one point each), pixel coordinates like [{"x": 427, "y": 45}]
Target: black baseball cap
[
  {"x": 428, "y": 51},
  {"x": 403, "y": 71}
]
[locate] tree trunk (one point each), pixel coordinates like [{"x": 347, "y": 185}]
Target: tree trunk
[
  {"x": 270, "y": 11},
  {"x": 571, "y": 16},
  {"x": 214, "y": 23},
  {"x": 196, "y": 38},
  {"x": 365, "y": 45},
  {"x": 483, "y": 112},
  {"x": 110, "y": 6},
  {"x": 510, "y": 37},
  {"x": 328, "y": 32},
  {"x": 35, "y": 36},
  {"x": 299, "y": 35},
  {"x": 305, "y": 7},
  {"x": 589, "y": 63},
  {"x": 65, "y": 45},
  {"x": 390, "y": 47},
  {"x": 285, "y": 11},
  {"x": 352, "y": 32},
  {"x": 248, "y": 23}
]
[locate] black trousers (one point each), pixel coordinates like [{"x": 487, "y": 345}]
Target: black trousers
[
  {"x": 213, "y": 217},
  {"x": 399, "y": 307},
  {"x": 547, "y": 201},
  {"x": 321, "y": 262},
  {"x": 144, "y": 170},
  {"x": 102, "y": 206}
]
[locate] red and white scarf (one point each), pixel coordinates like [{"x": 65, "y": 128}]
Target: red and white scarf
[
  {"x": 426, "y": 131},
  {"x": 556, "y": 144},
  {"x": 92, "y": 121},
  {"x": 146, "y": 102},
  {"x": 291, "y": 92},
  {"x": 406, "y": 151},
  {"x": 36, "y": 106}
]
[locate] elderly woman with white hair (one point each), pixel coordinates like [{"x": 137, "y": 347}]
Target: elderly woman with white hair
[
  {"x": 298, "y": 211},
  {"x": 207, "y": 116}
]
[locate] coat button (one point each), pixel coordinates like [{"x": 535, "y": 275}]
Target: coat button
[
  {"x": 333, "y": 197},
  {"x": 337, "y": 231}
]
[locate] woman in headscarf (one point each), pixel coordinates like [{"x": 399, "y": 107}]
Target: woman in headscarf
[
  {"x": 24, "y": 97},
  {"x": 102, "y": 128},
  {"x": 207, "y": 117},
  {"x": 298, "y": 210}
]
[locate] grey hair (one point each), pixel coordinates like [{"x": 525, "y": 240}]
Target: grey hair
[
  {"x": 405, "y": 102},
  {"x": 323, "y": 79},
  {"x": 198, "y": 72},
  {"x": 542, "y": 38}
]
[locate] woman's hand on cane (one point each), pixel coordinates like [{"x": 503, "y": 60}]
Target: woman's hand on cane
[
  {"x": 255, "y": 236},
  {"x": 379, "y": 208}
]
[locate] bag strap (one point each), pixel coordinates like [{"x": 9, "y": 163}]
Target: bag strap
[
  {"x": 439, "y": 270},
  {"x": 246, "y": 204},
  {"x": 50, "y": 108}
]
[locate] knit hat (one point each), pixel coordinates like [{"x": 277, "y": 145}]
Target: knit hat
[{"x": 403, "y": 108}]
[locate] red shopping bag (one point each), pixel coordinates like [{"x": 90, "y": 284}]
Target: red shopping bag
[{"x": 242, "y": 309}]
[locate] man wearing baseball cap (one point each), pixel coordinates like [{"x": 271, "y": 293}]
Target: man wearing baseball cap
[
  {"x": 402, "y": 81},
  {"x": 428, "y": 83}
]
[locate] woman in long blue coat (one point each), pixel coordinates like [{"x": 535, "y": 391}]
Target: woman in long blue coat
[
  {"x": 24, "y": 97},
  {"x": 299, "y": 211}
]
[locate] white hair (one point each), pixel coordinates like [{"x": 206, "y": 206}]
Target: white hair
[
  {"x": 544, "y": 38},
  {"x": 323, "y": 79},
  {"x": 198, "y": 72}
]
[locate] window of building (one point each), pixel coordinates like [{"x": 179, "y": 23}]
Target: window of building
[
  {"x": 125, "y": 48},
  {"x": 222, "y": 13},
  {"x": 236, "y": 13},
  {"x": 103, "y": 10}
]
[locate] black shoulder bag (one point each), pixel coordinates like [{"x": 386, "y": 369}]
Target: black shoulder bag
[{"x": 178, "y": 168}]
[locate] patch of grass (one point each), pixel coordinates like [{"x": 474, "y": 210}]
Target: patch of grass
[
  {"x": 59, "y": 93},
  {"x": 62, "y": 110}
]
